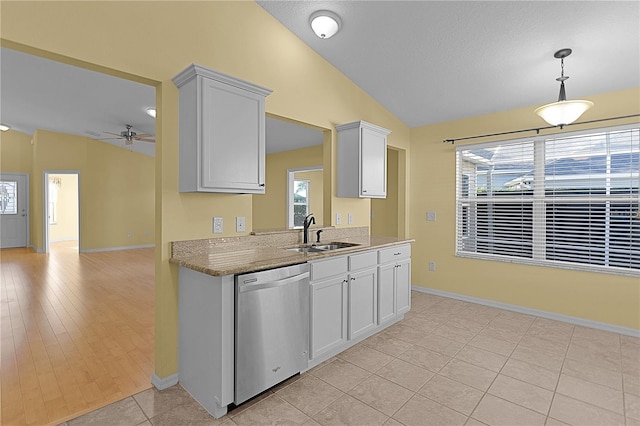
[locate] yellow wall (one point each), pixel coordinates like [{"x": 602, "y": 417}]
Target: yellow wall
[
  {"x": 601, "y": 297},
  {"x": 66, "y": 227},
  {"x": 237, "y": 38},
  {"x": 385, "y": 210},
  {"x": 116, "y": 190},
  {"x": 15, "y": 152},
  {"x": 270, "y": 209}
]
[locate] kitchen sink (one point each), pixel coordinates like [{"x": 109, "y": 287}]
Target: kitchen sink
[
  {"x": 318, "y": 248},
  {"x": 305, "y": 249}
]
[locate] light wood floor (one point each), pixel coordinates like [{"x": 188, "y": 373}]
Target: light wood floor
[{"x": 76, "y": 331}]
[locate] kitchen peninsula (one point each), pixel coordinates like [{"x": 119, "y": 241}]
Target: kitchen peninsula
[{"x": 354, "y": 292}]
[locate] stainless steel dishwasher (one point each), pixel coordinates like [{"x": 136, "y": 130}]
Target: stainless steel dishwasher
[{"x": 272, "y": 328}]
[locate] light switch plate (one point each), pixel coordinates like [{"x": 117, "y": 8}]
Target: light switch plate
[
  {"x": 217, "y": 225},
  {"x": 431, "y": 216},
  {"x": 240, "y": 224},
  {"x": 349, "y": 218},
  {"x": 338, "y": 218}
]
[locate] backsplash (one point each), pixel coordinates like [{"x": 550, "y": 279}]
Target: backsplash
[{"x": 267, "y": 238}]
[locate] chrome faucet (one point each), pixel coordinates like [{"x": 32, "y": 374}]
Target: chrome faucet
[{"x": 307, "y": 223}]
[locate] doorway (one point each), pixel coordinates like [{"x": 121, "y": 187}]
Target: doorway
[
  {"x": 61, "y": 210},
  {"x": 14, "y": 210}
]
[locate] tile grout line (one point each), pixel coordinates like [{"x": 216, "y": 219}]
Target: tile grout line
[
  {"x": 501, "y": 368},
  {"x": 624, "y": 405}
]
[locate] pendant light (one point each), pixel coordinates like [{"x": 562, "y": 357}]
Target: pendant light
[{"x": 563, "y": 112}]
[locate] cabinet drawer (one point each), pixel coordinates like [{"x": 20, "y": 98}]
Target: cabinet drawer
[
  {"x": 392, "y": 254},
  {"x": 363, "y": 260},
  {"x": 328, "y": 268}
]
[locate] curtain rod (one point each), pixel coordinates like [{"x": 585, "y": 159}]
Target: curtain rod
[{"x": 536, "y": 129}]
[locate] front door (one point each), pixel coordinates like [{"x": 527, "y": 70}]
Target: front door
[{"x": 14, "y": 214}]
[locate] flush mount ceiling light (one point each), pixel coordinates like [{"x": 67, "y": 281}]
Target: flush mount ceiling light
[
  {"x": 325, "y": 23},
  {"x": 4, "y": 127},
  {"x": 151, "y": 111},
  {"x": 563, "y": 112}
]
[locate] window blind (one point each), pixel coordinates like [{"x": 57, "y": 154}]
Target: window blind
[{"x": 569, "y": 200}]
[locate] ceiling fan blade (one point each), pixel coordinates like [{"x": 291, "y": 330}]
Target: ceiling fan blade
[
  {"x": 144, "y": 139},
  {"x": 116, "y": 134},
  {"x": 143, "y": 135},
  {"x": 107, "y": 139}
]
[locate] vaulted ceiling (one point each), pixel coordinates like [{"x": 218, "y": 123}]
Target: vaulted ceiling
[{"x": 425, "y": 61}]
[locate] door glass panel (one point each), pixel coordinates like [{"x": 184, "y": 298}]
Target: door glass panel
[{"x": 8, "y": 197}]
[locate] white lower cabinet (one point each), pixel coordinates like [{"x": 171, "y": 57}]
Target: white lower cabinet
[
  {"x": 403, "y": 286},
  {"x": 363, "y": 289},
  {"x": 386, "y": 293},
  {"x": 355, "y": 296},
  {"x": 394, "y": 282},
  {"x": 328, "y": 315}
]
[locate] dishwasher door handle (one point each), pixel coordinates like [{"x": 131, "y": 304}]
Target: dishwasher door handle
[{"x": 242, "y": 288}]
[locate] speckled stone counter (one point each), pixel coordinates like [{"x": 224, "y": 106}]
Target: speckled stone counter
[{"x": 236, "y": 255}]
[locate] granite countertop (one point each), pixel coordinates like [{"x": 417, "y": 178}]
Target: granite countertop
[{"x": 260, "y": 258}]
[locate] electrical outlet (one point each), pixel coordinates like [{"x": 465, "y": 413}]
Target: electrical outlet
[
  {"x": 432, "y": 266},
  {"x": 349, "y": 218},
  {"x": 240, "y": 224},
  {"x": 217, "y": 225},
  {"x": 431, "y": 216},
  {"x": 129, "y": 234},
  {"x": 338, "y": 218}
]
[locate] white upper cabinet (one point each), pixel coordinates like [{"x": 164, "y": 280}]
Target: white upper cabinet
[
  {"x": 362, "y": 160},
  {"x": 222, "y": 133}
]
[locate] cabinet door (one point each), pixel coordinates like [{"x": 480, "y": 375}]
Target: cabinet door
[
  {"x": 328, "y": 327},
  {"x": 233, "y": 139},
  {"x": 403, "y": 286},
  {"x": 373, "y": 164},
  {"x": 363, "y": 295},
  {"x": 386, "y": 293}
]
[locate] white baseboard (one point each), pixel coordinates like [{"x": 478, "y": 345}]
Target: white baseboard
[
  {"x": 530, "y": 311},
  {"x": 116, "y": 248},
  {"x": 165, "y": 382}
]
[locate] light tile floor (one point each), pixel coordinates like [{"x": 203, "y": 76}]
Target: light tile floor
[{"x": 447, "y": 363}]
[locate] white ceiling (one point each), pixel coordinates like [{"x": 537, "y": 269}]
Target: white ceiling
[
  {"x": 436, "y": 61},
  {"x": 38, "y": 93},
  {"x": 425, "y": 61}
]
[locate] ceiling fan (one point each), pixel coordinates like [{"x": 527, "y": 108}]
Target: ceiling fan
[{"x": 129, "y": 136}]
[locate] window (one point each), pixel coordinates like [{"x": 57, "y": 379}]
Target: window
[
  {"x": 300, "y": 201},
  {"x": 570, "y": 200},
  {"x": 8, "y": 197}
]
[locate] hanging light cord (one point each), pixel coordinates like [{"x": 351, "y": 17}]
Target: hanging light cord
[{"x": 536, "y": 129}]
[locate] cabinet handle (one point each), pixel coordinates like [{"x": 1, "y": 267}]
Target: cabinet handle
[
  {"x": 262, "y": 184},
  {"x": 397, "y": 254},
  {"x": 353, "y": 279},
  {"x": 364, "y": 190},
  {"x": 345, "y": 281}
]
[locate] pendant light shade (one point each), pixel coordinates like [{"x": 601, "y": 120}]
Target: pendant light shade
[
  {"x": 324, "y": 23},
  {"x": 563, "y": 112}
]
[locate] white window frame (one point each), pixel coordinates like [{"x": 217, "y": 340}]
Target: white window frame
[{"x": 539, "y": 202}]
